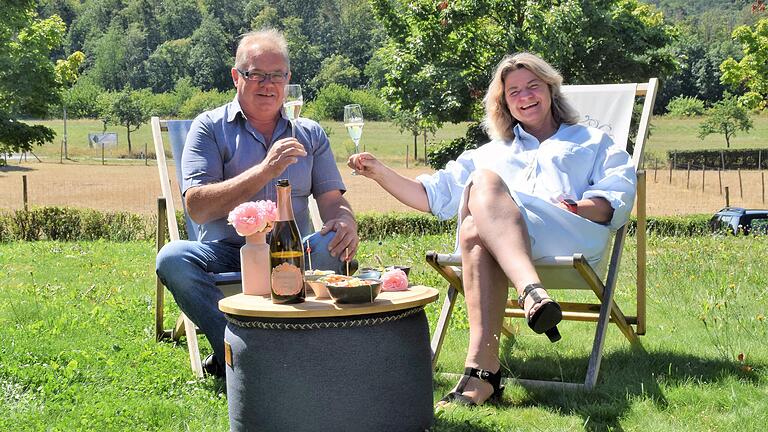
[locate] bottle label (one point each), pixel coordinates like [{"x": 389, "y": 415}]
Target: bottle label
[{"x": 287, "y": 279}]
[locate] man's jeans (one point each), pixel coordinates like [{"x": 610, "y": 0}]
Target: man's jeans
[{"x": 185, "y": 268}]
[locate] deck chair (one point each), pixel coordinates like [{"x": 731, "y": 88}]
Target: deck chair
[
  {"x": 608, "y": 107},
  {"x": 229, "y": 283}
]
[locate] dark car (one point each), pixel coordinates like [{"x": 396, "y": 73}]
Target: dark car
[{"x": 736, "y": 219}]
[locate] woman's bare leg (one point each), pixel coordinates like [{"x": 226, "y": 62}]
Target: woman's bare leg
[{"x": 495, "y": 247}]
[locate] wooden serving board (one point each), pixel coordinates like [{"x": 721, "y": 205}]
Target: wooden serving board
[{"x": 262, "y": 306}]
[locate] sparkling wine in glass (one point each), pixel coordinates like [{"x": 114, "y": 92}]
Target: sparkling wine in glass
[
  {"x": 292, "y": 104},
  {"x": 353, "y": 120}
]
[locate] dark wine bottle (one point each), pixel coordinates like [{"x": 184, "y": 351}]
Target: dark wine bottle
[{"x": 285, "y": 252}]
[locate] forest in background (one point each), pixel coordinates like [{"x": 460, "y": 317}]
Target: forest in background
[{"x": 419, "y": 63}]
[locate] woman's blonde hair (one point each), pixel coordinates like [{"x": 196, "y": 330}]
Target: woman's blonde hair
[{"x": 498, "y": 121}]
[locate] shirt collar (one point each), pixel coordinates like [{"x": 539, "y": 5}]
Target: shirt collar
[
  {"x": 235, "y": 109},
  {"x": 528, "y": 141}
]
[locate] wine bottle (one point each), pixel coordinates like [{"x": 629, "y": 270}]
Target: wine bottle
[{"x": 285, "y": 251}]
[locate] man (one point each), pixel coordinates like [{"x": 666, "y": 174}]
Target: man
[{"x": 234, "y": 154}]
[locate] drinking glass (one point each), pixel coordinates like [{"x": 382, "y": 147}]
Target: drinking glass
[
  {"x": 292, "y": 105},
  {"x": 353, "y": 120}
]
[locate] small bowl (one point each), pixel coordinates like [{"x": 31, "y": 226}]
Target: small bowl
[
  {"x": 405, "y": 269},
  {"x": 368, "y": 273},
  {"x": 317, "y": 286},
  {"x": 365, "y": 293}
]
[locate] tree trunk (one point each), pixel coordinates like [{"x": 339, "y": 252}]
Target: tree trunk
[
  {"x": 128, "y": 128},
  {"x": 415, "y": 146},
  {"x": 425, "y": 147}
]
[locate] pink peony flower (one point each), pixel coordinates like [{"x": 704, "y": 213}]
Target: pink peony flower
[
  {"x": 394, "y": 280},
  {"x": 252, "y": 217}
]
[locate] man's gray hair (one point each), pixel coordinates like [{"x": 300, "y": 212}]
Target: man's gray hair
[{"x": 268, "y": 38}]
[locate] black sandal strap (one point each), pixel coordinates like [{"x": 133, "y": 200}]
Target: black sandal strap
[
  {"x": 459, "y": 398},
  {"x": 530, "y": 290},
  {"x": 494, "y": 379}
]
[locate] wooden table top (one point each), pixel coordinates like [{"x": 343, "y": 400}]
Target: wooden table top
[{"x": 262, "y": 306}]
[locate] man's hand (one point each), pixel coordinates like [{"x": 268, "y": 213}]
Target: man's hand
[
  {"x": 283, "y": 153},
  {"x": 344, "y": 244}
]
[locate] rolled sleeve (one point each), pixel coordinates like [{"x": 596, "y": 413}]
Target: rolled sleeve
[
  {"x": 445, "y": 187},
  {"x": 614, "y": 179},
  {"x": 201, "y": 162}
]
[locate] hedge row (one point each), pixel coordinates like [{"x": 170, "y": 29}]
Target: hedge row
[
  {"x": 70, "y": 224},
  {"x": 726, "y": 159}
]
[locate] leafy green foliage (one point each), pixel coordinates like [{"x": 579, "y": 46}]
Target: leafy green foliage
[
  {"x": 685, "y": 106},
  {"x": 71, "y": 224},
  {"x": 336, "y": 69},
  {"x": 752, "y": 70},
  {"x": 440, "y": 55},
  {"x": 128, "y": 109},
  {"x": 168, "y": 64},
  {"x": 330, "y": 101},
  {"x": 209, "y": 59},
  {"x": 204, "y": 101},
  {"x": 28, "y": 79},
  {"x": 725, "y": 117},
  {"x": 440, "y": 154},
  {"x": 698, "y": 74}
]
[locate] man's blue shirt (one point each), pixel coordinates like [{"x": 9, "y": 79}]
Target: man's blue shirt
[{"x": 221, "y": 144}]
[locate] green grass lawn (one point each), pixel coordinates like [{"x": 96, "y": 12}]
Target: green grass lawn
[{"x": 77, "y": 349}]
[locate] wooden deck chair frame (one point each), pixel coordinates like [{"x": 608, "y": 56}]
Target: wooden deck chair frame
[
  {"x": 229, "y": 283},
  {"x": 555, "y": 271}
]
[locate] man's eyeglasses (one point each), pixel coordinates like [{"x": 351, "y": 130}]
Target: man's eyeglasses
[{"x": 260, "y": 77}]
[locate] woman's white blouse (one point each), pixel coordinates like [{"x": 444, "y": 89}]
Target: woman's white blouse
[{"x": 577, "y": 162}]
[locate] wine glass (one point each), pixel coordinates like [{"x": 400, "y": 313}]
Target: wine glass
[
  {"x": 353, "y": 120},
  {"x": 292, "y": 104}
]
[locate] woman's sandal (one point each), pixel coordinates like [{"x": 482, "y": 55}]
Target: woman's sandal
[
  {"x": 547, "y": 317},
  {"x": 494, "y": 379}
]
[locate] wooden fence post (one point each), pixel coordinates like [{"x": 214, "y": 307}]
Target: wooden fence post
[
  {"x": 688, "y": 180},
  {"x": 722, "y": 160},
  {"x": 703, "y": 171},
  {"x": 741, "y": 189},
  {"x": 655, "y": 169},
  {"x": 670, "y": 172},
  {"x": 762, "y": 181},
  {"x": 727, "y": 198},
  {"x": 720, "y": 180},
  {"x": 24, "y": 191}
]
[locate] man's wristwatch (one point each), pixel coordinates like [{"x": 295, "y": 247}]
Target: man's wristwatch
[{"x": 571, "y": 205}]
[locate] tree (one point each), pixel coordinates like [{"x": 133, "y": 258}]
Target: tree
[
  {"x": 725, "y": 117},
  {"x": 698, "y": 74},
  {"x": 416, "y": 124},
  {"x": 178, "y": 18},
  {"x": 751, "y": 72},
  {"x": 128, "y": 109},
  {"x": 167, "y": 64},
  {"x": 441, "y": 54},
  {"x": 336, "y": 69},
  {"x": 28, "y": 81},
  {"x": 209, "y": 59}
]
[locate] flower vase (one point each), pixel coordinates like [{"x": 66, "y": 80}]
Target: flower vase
[{"x": 254, "y": 265}]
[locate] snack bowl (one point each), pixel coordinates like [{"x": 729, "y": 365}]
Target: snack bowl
[
  {"x": 318, "y": 287},
  {"x": 405, "y": 269},
  {"x": 368, "y": 273},
  {"x": 354, "y": 290}
]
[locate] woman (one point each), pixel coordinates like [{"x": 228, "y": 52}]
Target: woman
[{"x": 543, "y": 186}]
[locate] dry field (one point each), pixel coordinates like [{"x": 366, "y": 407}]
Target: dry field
[{"x": 134, "y": 188}]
